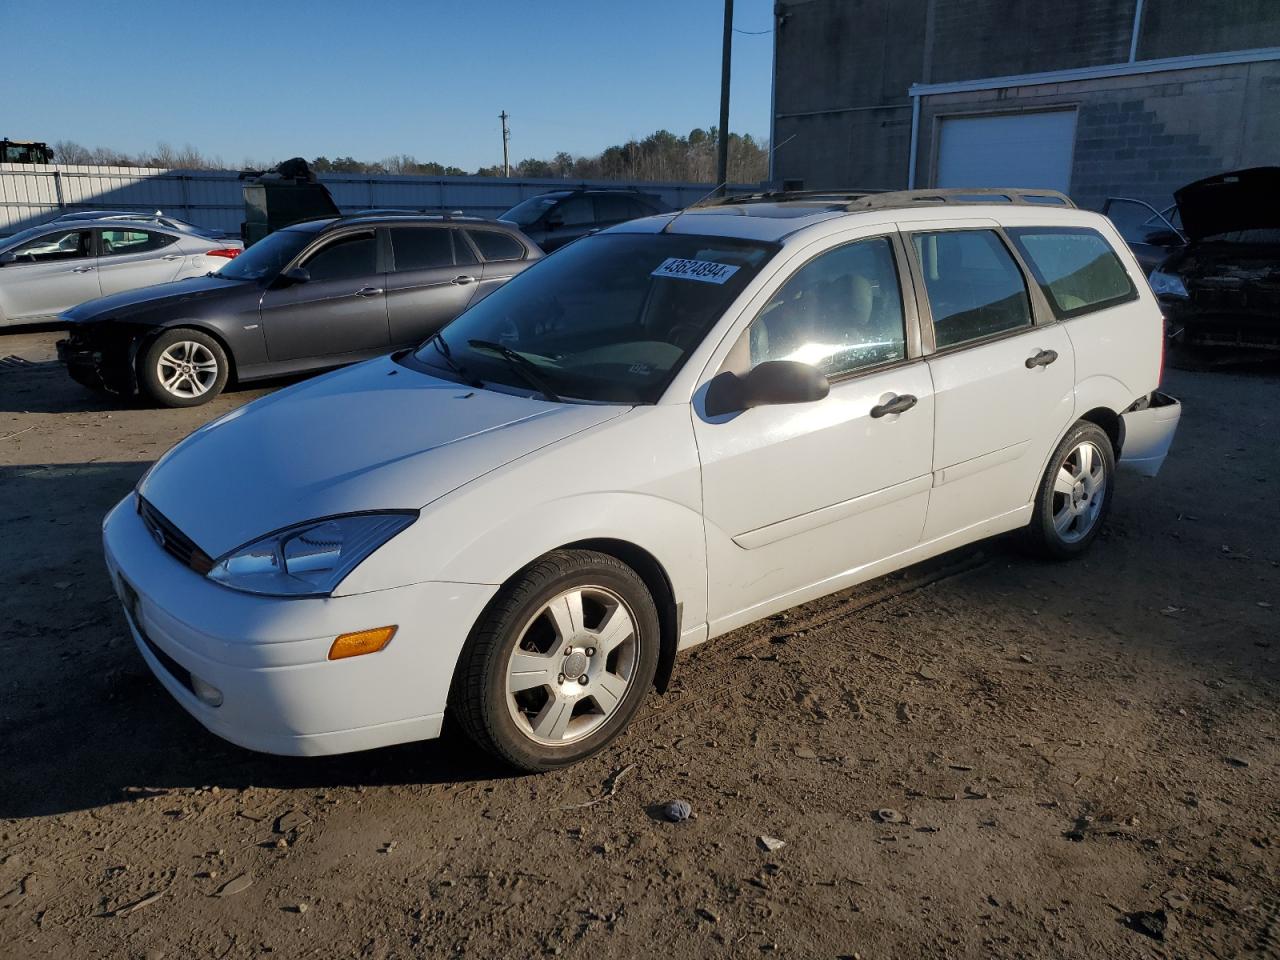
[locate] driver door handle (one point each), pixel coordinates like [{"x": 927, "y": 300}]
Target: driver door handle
[
  {"x": 1042, "y": 359},
  {"x": 82, "y": 269},
  {"x": 899, "y": 404},
  {"x": 463, "y": 280},
  {"x": 368, "y": 291}
]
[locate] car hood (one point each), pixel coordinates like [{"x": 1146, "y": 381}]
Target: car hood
[
  {"x": 376, "y": 436},
  {"x": 132, "y": 303},
  {"x": 1230, "y": 202}
]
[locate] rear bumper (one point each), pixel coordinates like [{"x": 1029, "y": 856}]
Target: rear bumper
[
  {"x": 1148, "y": 434},
  {"x": 267, "y": 658}
]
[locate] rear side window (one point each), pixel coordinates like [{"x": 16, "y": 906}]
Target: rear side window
[
  {"x": 497, "y": 246},
  {"x": 1077, "y": 269},
  {"x": 133, "y": 241},
  {"x": 613, "y": 209},
  {"x": 974, "y": 286},
  {"x": 354, "y": 255},
  {"x": 421, "y": 248}
]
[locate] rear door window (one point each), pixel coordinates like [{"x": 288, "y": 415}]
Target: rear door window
[
  {"x": 613, "y": 209},
  {"x": 421, "y": 248},
  {"x": 1075, "y": 267},
  {"x": 348, "y": 257},
  {"x": 575, "y": 212},
  {"x": 117, "y": 242},
  {"x": 975, "y": 287},
  {"x": 497, "y": 246}
]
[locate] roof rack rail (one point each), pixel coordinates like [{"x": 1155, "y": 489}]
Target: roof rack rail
[
  {"x": 780, "y": 196},
  {"x": 910, "y": 198}
]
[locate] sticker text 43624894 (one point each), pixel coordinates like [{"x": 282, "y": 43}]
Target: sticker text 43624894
[{"x": 706, "y": 271}]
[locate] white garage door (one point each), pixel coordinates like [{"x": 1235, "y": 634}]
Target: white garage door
[{"x": 1009, "y": 150}]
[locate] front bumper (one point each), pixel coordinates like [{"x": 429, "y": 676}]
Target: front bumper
[
  {"x": 268, "y": 656},
  {"x": 102, "y": 365}
]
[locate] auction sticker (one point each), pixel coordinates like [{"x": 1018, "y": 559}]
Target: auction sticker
[{"x": 705, "y": 270}]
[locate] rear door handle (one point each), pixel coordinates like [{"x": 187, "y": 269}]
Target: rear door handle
[
  {"x": 172, "y": 256},
  {"x": 899, "y": 404},
  {"x": 368, "y": 291},
  {"x": 82, "y": 269},
  {"x": 463, "y": 280},
  {"x": 1042, "y": 359}
]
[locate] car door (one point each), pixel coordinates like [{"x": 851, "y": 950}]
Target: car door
[
  {"x": 49, "y": 273},
  {"x": 503, "y": 257},
  {"x": 433, "y": 277},
  {"x": 1003, "y": 373},
  {"x": 797, "y": 496},
  {"x": 338, "y": 306},
  {"x": 568, "y": 220},
  {"x": 129, "y": 258}
]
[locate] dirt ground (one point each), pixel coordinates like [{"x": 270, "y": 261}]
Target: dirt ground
[{"x": 986, "y": 756}]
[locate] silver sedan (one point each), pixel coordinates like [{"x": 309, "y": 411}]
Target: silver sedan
[{"x": 50, "y": 268}]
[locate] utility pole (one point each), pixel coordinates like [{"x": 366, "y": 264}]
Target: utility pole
[
  {"x": 722, "y": 157},
  {"x": 506, "y": 137}
]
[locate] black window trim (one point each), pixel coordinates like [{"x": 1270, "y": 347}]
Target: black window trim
[
  {"x": 1052, "y": 304},
  {"x": 1041, "y": 315},
  {"x": 912, "y": 318}
]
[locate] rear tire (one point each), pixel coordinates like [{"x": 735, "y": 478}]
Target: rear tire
[
  {"x": 559, "y": 662},
  {"x": 183, "y": 368},
  {"x": 1074, "y": 496}
]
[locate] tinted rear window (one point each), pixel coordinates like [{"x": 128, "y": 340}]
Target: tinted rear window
[
  {"x": 421, "y": 248},
  {"x": 1076, "y": 268},
  {"x": 497, "y": 246}
]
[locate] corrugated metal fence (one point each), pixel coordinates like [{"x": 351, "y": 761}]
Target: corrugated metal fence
[{"x": 31, "y": 194}]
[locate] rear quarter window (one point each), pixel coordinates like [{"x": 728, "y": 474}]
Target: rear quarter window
[
  {"x": 1076, "y": 268},
  {"x": 497, "y": 246}
]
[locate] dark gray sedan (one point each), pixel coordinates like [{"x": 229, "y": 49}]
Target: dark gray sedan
[{"x": 313, "y": 296}]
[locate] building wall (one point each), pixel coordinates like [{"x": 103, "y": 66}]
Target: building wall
[
  {"x": 843, "y": 69},
  {"x": 1140, "y": 136}
]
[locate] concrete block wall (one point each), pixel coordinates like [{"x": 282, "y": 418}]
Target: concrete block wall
[{"x": 1141, "y": 136}]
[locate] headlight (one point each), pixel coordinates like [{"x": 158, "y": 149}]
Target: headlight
[
  {"x": 309, "y": 559},
  {"x": 1167, "y": 284}
]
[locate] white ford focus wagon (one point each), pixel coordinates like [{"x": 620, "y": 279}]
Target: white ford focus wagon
[{"x": 663, "y": 432}]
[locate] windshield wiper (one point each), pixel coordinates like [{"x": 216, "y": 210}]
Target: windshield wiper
[
  {"x": 438, "y": 341},
  {"x": 522, "y": 365}
]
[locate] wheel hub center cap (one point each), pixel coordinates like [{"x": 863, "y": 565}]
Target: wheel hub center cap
[{"x": 575, "y": 665}]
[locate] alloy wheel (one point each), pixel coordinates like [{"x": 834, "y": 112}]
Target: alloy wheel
[
  {"x": 187, "y": 369},
  {"x": 1079, "y": 491},
  {"x": 572, "y": 665}
]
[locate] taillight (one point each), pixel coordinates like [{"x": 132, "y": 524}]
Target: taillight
[
  {"x": 1164, "y": 345},
  {"x": 229, "y": 253}
]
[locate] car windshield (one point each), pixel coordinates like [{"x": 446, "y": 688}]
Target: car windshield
[
  {"x": 610, "y": 318},
  {"x": 267, "y": 257},
  {"x": 529, "y": 210}
]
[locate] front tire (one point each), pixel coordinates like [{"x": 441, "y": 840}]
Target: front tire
[
  {"x": 183, "y": 368},
  {"x": 559, "y": 662},
  {"x": 1074, "y": 496}
]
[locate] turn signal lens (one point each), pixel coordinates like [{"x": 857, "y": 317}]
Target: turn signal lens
[{"x": 361, "y": 642}]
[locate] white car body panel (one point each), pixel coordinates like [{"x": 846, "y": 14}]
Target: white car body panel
[{"x": 745, "y": 514}]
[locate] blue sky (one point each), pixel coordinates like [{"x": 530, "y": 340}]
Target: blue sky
[{"x": 379, "y": 77}]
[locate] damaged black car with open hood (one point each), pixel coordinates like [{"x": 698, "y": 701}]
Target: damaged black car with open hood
[{"x": 1220, "y": 283}]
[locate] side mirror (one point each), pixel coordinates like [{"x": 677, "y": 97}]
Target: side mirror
[
  {"x": 296, "y": 275},
  {"x": 8, "y": 257},
  {"x": 768, "y": 383}
]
